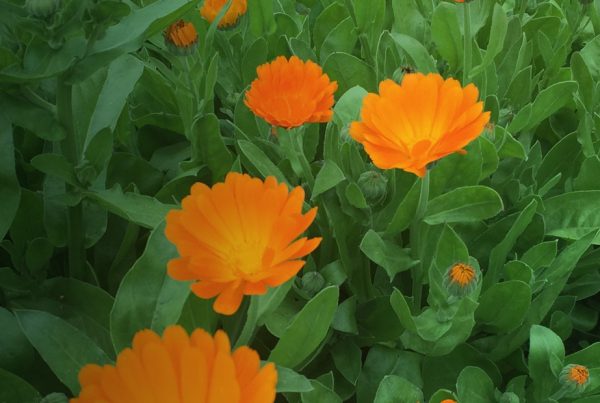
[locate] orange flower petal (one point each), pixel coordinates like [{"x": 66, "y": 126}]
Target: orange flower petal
[
  {"x": 290, "y": 93},
  {"x": 412, "y": 124},
  {"x": 178, "y": 368},
  {"x": 211, "y": 8},
  {"x": 257, "y": 225}
]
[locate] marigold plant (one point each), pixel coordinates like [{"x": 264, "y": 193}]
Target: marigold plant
[
  {"x": 211, "y": 8},
  {"x": 290, "y": 93},
  {"x": 239, "y": 238},
  {"x": 412, "y": 124},
  {"x": 178, "y": 368}
]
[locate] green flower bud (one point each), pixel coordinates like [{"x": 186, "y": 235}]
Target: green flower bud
[
  {"x": 42, "y": 8},
  {"x": 312, "y": 283},
  {"x": 373, "y": 185}
]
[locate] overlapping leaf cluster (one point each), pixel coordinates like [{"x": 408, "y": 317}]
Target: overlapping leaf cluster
[{"x": 103, "y": 131}]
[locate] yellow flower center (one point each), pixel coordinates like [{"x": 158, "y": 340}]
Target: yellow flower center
[
  {"x": 246, "y": 258},
  {"x": 579, "y": 374},
  {"x": 462, "y": 274}
]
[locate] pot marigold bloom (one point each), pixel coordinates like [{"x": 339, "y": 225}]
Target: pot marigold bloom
[
  {"x": 448, "y": 401},
  {"x": 178, "y": 368},
  {"x": 425, "y": 118},
  {"x": 181, "y": 38},
  {"x": 461, "y": 279},
  {"x": 290, "y": 93},
  {"x": 237, "y": 238},
  {"x": 211, "y": 8}
]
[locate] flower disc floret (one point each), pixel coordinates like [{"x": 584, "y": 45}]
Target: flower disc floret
[{"x": 239, "y": 238}]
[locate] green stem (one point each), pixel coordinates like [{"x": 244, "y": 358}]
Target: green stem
[
  {"x": 76, "y": 236},
  {"x": 418, "y": 270},
  {"x": 467, "y": 42},
  {"x": 190, "y": 82}
]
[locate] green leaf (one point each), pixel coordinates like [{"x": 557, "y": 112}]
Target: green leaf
[
  {"x": 591, "y": 56},
  {"x": 9, "y": 184},
  {"x": 573, "y": 215},
  {"x": 347, "y": 108},
  {"x": 416, "y": 52},
  {"x": 497, "y": 34},
  {"x": 17, "y": 355},
  {"x": 349, "y": 71},
  {"x": 254, "y": 57},
  {"x": 464, "y": 204},
  {"x": 395, "y": 389},
  {"x": 342, "y": 38},
  {"x": 14, "y": 389},
  {"x": 329, "y": 176},
  {"x": 291, "y": 382},
  {"x": 504, "y": 317},
  {"x": 139, "y": 209},
  {"x": 581, "y": 73},
  {"x": 260, "y": 160},
  {"x": 262, "y": 21},
  {"x": 540, "y": 255},
  {"x": 64, "y": 348},
  {"x": 307, "y": 330},
  {"x": 550, "y": 100},
  {"x": 546, "y": 355},
  {"x": 320, "y": 394},
  {"x": 386, "y": 254},
  {"x": 147, "y": 297},
  {"x": 209, "y": 144},
  {"x": 347, "y": 358},
  {"x": 474, "y": 386},
  {"x": 445, "y": 32},
  {"x": 56, "y": 165},
  {"x": 130, "y": 33},
  {"x": 40, "y": 122}
]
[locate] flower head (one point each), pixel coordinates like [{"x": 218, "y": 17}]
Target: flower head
[
  {"x": 448, "y": 401},
  {"x": 290, "y": 93},
  {"x": 575, "y": 377},
  {"x": 460, "y": 279},
  {"x": 211, "y": 8},
  {"x": 181, "y": 38},
  {"x": 425, "y": 118},
  {"x": 238, "y": 238},
  {"x": 178, "y": 368}
]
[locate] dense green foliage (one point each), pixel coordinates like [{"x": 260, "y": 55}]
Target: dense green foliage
[{"x": 103, "y": 131}]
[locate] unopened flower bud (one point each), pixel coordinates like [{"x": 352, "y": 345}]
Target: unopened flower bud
[
  {"x": 461, "y": 279},
  {"x": 181, "y": 38},
  {"x": 373, "y": 185},
  {"x": 575, "y": 378},
  {"x": 42, "y": 8}
]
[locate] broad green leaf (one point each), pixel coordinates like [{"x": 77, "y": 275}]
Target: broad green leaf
[
  {"x": 17, "y": 355},
  {"x": 581, "y": 73},
  {"x": 254, "y": 57},
  {"x": 342, "y": 38},
  {"x": 504, "y": 318},
  {"x": 573, "y": 215},
  {"x": 64, "y": 348},
  {"x": 465, "y": 204},
  {"x": 56, "y": 165},
  {"x": 260, "y": 160},
  {"x": 347, "y": 358},
  {"x": 9, "y": 184},
  {"x": 348, "y": 106},
  {"x": 386, "y": 254},
  {"x": 474, "y": 386},
  {"x": 260, "y": 14},
  {"x": 307, "y": 330},
  {"x": 40, "y": 122},
  {"x": 395, "y": 389},
  {"x": 540, "y": 255},
  {"x": 416, "y": 52},
  {"x": 210, "y": 146},
  {"x": 140, "y": 209},
  {"x": 562, "y": 158},
  {"x": 320, "y": 394},
  {"x": 130, "y": 33},
  {"x": 349, "y": 71},
  {"x": 445, "y": 32},
  {"x": 546, "y": 355},
  {"x": 15, "y": 389},
  {"x": 147, "y": 297},
  {"x": 591, "y": 56},
  {"x": 291, "y": 381},
  {"x": 329, "y": 176},
  {"x": 550, "y": 100},
  {"x": 496, "y": 42}
]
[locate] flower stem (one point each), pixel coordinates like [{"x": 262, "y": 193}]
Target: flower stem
[
  {"x": 418, "y": 270},
  {"x": 64, "y": 109},
  {"x": 467, "y": 42},
  {"x": 291, "y": 142}
]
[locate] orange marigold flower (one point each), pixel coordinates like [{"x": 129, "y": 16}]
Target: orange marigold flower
[
  {"x": 181, "y": 37},
  {"x": 461, "y": 279},
  {"x": 448, "y": 401},
  {"x": 290, "y": 93},
  {"x": 211, "y": 8},
  {"x": 237, "y": 238},
  {"x": 178, "y": 368},
  {"x": 425, "y": 118}
]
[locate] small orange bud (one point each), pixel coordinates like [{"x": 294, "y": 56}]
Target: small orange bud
[
  {"x": 181, "y": 38},
  {"x": 461, "y": 279}
]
